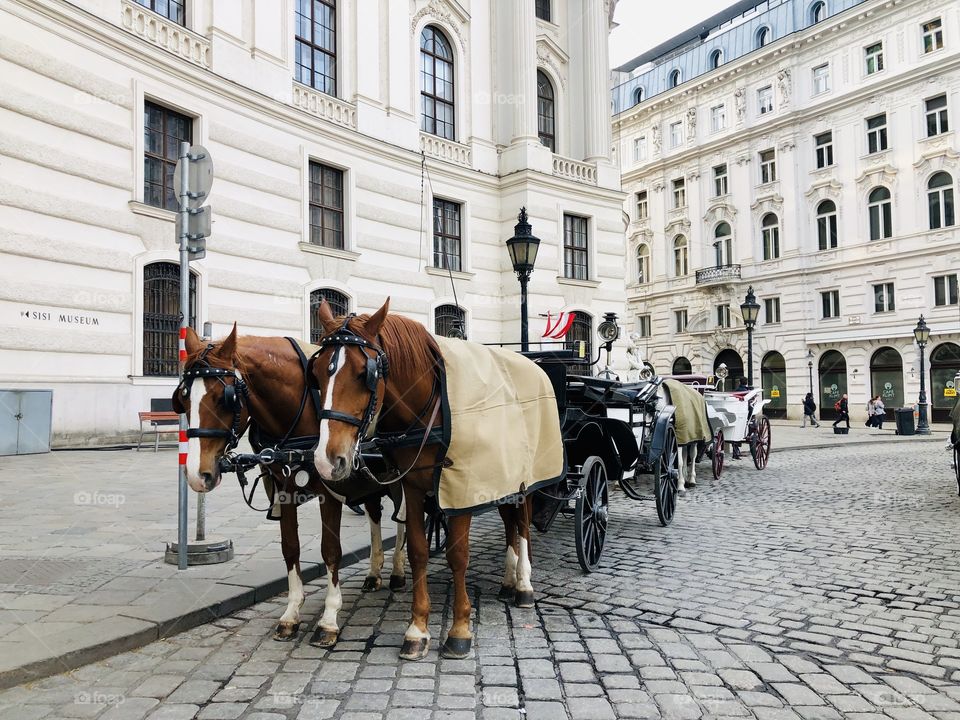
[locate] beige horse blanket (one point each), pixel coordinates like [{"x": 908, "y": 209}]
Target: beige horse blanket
[
  {"x": 504, "y": 426},
  {"x": 690, "y": 420}
]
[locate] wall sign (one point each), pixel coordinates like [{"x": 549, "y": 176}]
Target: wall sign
[{"x": 45, "y": 317}]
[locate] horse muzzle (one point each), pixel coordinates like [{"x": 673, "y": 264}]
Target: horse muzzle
[{"x": 203, "y": 482}]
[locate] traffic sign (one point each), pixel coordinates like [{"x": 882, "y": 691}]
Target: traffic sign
[{"x": 200, "y": 169}]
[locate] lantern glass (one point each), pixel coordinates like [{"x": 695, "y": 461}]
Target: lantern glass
[
  {"x": 921, "y": 332},
  {"x": 750, "y": 309}
]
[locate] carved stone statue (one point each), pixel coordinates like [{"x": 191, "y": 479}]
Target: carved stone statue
[
  {"x": 691, "y": 124},
  {"x": 740, "y": 100},
  {"x": 783, "y": 84},
  {"x": 655, "y": 137},
  {"x": 634, "y": 357}
]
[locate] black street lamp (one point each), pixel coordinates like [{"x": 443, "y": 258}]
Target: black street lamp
[
  {"x": 922, "y": 334},
  {"x": 523, "y": 248},
  {"x": 810, "y": 368},
  {"x": 750, "y": 309}
]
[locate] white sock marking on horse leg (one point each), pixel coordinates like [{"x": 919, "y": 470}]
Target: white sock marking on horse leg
[
  {"x": 331, "y": 605},
  {"x": 295, "y": 597},
  {"x": 197, "y": 391},
  {"x": 399, "y": 552},
  {"x": 415, "y": 633},
  {"x": 524, "y": 570},
  {"x": 376, "y": 549},
  {"x": 320, "y": 455},
  {"x": 510, "y": 568},
  {"x": 692, "y": 467},
  {"x": 681, "y": 469}
]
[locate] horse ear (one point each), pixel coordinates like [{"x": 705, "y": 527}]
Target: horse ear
[
  {"x": 375, "y": 321},
  {"x": 228, "y": 347},
  {"x": 325, "y": 316},
  {"x": 193, "y": 341}
]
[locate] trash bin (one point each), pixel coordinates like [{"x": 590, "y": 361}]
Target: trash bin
[{"x": 904, "y": 418}]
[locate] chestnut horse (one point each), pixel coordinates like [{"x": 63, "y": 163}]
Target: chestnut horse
[
  {"x": 259, "y": 382},
  {"x": 382, "y": 370}
]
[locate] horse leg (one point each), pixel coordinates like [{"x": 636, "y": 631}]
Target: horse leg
[
  {"x": 374, "y": 515},
  {"x": 508, "y": 588},
  {"x": 691, "y": 459},
  {"x": 327, "y": 630},
  {"x": 524, "y": 511},
  {"x": 459, "y": 638},
  {"x": 398, "y": 575},
  {"x": 682, "y": 469},
  {"x": 416, "y": 641},
  {"x": 290, "y": 546}
]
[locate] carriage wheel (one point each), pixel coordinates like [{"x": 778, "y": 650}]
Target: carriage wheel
[
  {"x": 632, "y": 487},
  {"x": 716, "y": 455},
  {"x": 956, "y": 464},
  {"x": 436, "y": 527},
  {"x": 760, "y": 442},
  {"x": 666, "y": 478},
  {"x": 591, "y": 514}
]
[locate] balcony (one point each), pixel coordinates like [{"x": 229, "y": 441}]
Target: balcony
[
  {"x": 159, "y": 31},
  {"x": 575, "y": 170},
  {"x": 717, "y": 275}
]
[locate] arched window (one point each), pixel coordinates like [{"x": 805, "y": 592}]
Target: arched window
[
  {"x": 638, "y": 96},
  {"x": 450, "y": 321},
  {"x": 436, "y": 83},
  {"x": 723, "y": 244},
  {"x": 773, "y": 380},
  {"x": 580, "y": 330},
  {"x": 944, "y": 366},
  {"x": 832, "y": 371},
  {"x": 827, "y": 224},
  {"x": 339, "y": 306},
  {"x": 674, "y": 78},
  {"x": 681, "y": 264},
  {"x": 763, "y": 37},
  {"x": 681, "y": 366},
  {"x": 818, "y": 12},
  {"x": 770, "y": 231},
  {"x": 643, "y": 263},
  {"x": 546, "y": 112},
  {"x": 886, "y": 378},
  {"x": 316, "y": 41},
  {"x": 716, "y": 59},
  {"x": 881, "y": 213},
  {"x": 734, "y": 364},
  {"x": 940, "y": 201},
  {"x": 161, "y": 317}
]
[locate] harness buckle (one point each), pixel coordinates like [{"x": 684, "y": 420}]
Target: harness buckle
[{"x": 268, "y": 456}]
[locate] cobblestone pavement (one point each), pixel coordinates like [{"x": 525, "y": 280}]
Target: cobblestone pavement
[{"x": 824, "y": 587}]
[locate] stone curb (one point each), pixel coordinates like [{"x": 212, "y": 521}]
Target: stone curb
[
  {"x": 108, "y": 637},
  {"x": 892, "y": 438}
]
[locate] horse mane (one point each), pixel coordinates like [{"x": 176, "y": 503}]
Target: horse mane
[{"x": 411, "y": 349}]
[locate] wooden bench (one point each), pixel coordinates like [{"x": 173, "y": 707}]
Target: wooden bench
[{"x": 159, "y": 419}]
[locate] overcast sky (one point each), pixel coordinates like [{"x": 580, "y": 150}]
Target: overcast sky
[{"x": 646, "y": 23}]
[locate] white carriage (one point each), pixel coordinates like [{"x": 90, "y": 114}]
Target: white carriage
[{"x": 736, "y": 418}]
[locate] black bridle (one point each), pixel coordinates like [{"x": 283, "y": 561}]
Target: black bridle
[{"x": 234, "y": 395}]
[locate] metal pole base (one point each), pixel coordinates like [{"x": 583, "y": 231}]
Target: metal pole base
[{"x": 201, "y": 552}]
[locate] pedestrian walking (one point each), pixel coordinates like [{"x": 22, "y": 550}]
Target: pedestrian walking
[
  {"x": 843, "y": 408},
  {"x": 879, "y": 413},
  {"x": 871, "y": 410},
  {"x": 809, "y": 411}
]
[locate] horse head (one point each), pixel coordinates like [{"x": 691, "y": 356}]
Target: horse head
[{"x": 211, "y": 393}]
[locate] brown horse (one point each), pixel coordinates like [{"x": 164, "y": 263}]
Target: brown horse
[
  {"x": 259, "y": 382},
  {"x": 386, "y": 373}
]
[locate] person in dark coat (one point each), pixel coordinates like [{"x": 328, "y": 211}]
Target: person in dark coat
[
  {"x": 844, "y": 411},
  {"x": 809, "y": 410}
]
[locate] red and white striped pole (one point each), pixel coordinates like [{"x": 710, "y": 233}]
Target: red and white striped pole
[{"x": 183, "y": 238}]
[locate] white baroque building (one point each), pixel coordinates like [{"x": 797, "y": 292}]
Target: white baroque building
[
  {"x": 807, "y": 148},
  {"x": 320, "y": 116}
]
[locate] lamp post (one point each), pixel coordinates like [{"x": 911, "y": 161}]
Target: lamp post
[
  {"x": 922, "y": 334},
  {"x": 810, "y": 368},
  {"x": 750, "y": 309},
  {"x": 523, "y": 248}
]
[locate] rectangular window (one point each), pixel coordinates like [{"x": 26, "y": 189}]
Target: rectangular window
[
  {"x": 830, "y": 300},
  {"x": 873, "y": 56},
  {"x": 642, "y": 211},
  {"x": 446, "y": 235},
  {"x": 883, "y": 298},
  {"x": 640, "y": 148},
  {"x": 676, "y": 134},
  {"x": 824, "y": 145},
  {"x": 821, "y": 79},
  {"x": 768, "y": 166},
  {"x": 945, "y": 290},
  {"x": 170, "y": 9},
  {"x": 932, "y": 35},
  {"x": 543, "y": 9},
  {"x": 877, "y": 133},
  {"x": 771, "y": 311},
  {"x": 723, "y": 316},
  {"x": 163, "y": 131},
  {"x": 575, "y": 248},
  {"x": 765, "y": 100},
  {"x": 718, "y": 118},
  {"x": 316, "y": 45},
  {"x": 643, "y": 325},
  {"x": 720, "y": 180},
  {"x": 326, "y": 206},
  {"x": 679, "y": 193},
  {"x": 680, "y": 320},
  {"x": 937, "y": 116}
]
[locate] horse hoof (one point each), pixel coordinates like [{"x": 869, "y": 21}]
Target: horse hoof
[
  {"x": 324, "y": 638},
  {"x": 456, "y": 648},
  {"x": 286, "y": 632},
  {"x": 507, "y": 593},
  {"x": 414, "y": 649},
  {"x": 690, "y": 485},
  {"x": 371, "y": 584},
  {"x": 398, "y": 582},
  {"x": 524, "y": 599}
]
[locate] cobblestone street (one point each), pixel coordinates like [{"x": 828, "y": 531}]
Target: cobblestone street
[{"x": 824, "y": 587}]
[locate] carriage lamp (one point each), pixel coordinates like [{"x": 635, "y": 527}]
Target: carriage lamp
[
  {"x": 523, "y": 248},
  {"x": 609, "y": 331},
  {"x": 810, "y": 368},
  {"x": 922, "y": 335},
  {"x": 723, "y": 372},
  {"x": 750, "y": 309}
]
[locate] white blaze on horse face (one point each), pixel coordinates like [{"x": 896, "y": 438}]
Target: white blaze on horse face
[
  {"x": 524, "y": 570},
  {"x": 331, "y": 605},
  {"x": 320, "y": 454},
  {"x": 197, "y": 392},
  {"x": 510, "y": 568},
  {"x": 295, "y": 597},
  {"x": 376, "y": 548}
]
